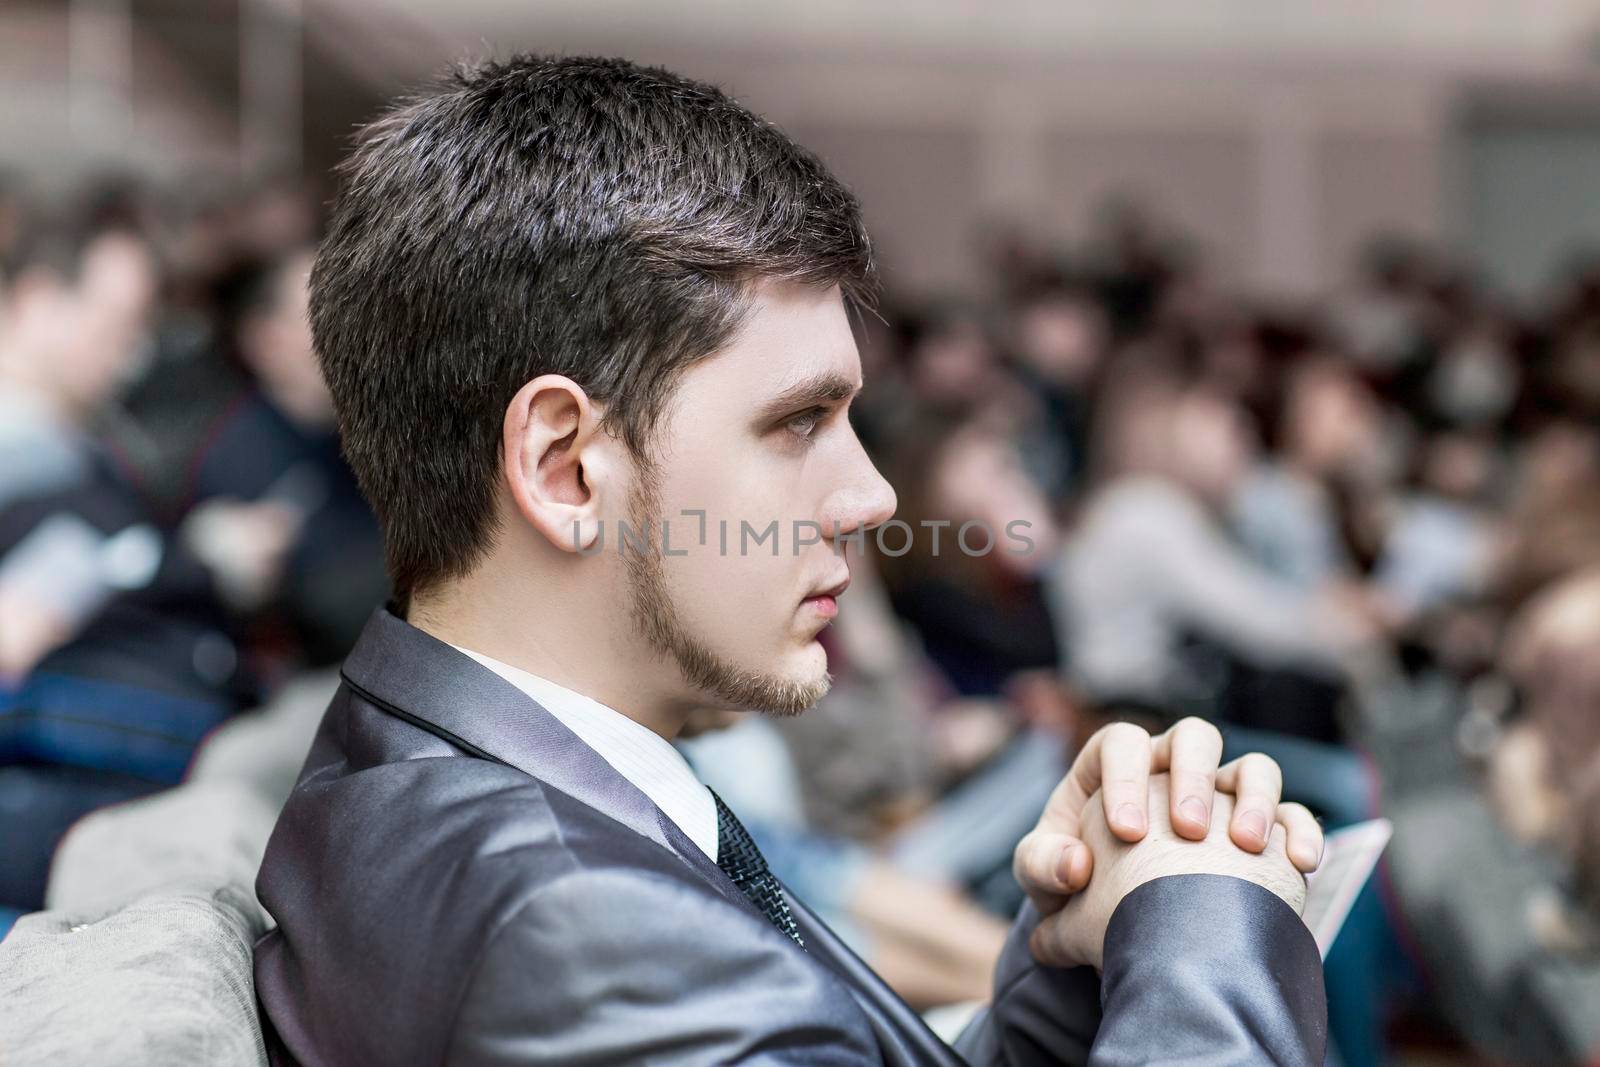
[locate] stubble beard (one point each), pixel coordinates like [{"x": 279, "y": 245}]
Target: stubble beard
[{"x": 656, "y": 618}]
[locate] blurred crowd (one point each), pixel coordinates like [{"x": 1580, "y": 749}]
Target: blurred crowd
[
  {"x": 178, "y": 532},
  {"x": 1360, "y": 533}
]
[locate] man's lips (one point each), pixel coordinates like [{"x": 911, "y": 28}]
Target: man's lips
[
  {"x": 825, "y": 601},
  {"x": 826, "y": 606}
]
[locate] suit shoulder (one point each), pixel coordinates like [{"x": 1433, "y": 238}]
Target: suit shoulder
[
  {"x": 413, "y": 822},
  {"x": 401, "y": 874}
]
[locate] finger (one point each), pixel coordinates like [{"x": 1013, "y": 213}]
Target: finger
[
  {"x": 1190, "y": 750},
  {"x": 1277, "y": 839},
  {"x": 1062, "y": 811},
  {"x": 1051, "y": 865},
  {"x": 1124, "y": 774},
  {"x": 1050, "y": 945},
  {"x": 1257, "y": 784},
  {"x": 1304, "y": 833},
  {"x": 1278, "y": 845}
]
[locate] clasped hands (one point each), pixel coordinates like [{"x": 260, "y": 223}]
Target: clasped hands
[{"x": 1135, "y": 807}]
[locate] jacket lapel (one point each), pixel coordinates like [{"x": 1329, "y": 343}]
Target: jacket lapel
[{"x": 417, "y": 677}]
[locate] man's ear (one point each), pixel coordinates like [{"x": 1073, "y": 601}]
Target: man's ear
[{"x": 553, "y": 456}]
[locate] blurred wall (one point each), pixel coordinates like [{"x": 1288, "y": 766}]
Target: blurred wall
[
  {"x": 1528, "y": 195},
  {"x": 1279, "y": 175},
  {"x": 1282, "y": 139},
  {"x": 96, "y": 91}
]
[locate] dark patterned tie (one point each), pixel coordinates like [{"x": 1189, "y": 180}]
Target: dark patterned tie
[{"x": 741, "y": 861}]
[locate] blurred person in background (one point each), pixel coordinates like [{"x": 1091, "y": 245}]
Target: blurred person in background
[
  {"x": 1150, "y": 563},
  {"x": 276, "y": 443},
  {"x": 1573, "y": 372},
  {"x": 1544, "y": 774},
  {"x": 951, "y": 363},
  {"x": 1476, "y": 377},
  {"x": 966, "y": 572},
  {"x": 1440, "y": 543},
  {"x": 1512, "y": 953},
  {"x": 1058, "y": 341},
  {"x": 75, "y": 304},
  {"x": 1555, "y": 457},
  {"x": 1553, "y": 528},
  {"x": 1385, "y": 318},
  {"x": 1307, "y": 514},
  {"x": 950, "y": 366},
  {"x": 11, "y": 216},
  {"x": 1164, "y": 614},
  {"x": 1287, "y": 511},
  {"x": 1133, "y": 257},
  {"x": 116, "y": 653},
  {"x": 212, "y": 241},
  {"x": 928, "y": 940}
]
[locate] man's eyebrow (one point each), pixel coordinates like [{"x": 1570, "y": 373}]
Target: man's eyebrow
[{"x": 823, "y": 389}]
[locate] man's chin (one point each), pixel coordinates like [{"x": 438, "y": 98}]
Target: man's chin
[
  {"x": 785, "y": 696},
  {"x": 782, "y": 686}
]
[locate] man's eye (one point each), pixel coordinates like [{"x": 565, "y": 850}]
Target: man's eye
[{"x": 805, "y": 423}]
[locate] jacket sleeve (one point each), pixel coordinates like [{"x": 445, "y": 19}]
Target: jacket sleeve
[{"x": 1198, "y": 969}]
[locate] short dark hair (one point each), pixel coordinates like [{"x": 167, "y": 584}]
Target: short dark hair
[{"x": 571, "y": 215}]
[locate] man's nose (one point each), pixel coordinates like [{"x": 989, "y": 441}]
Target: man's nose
[
  {"x": 870, "y": 501},
  {"x": 883, "y": 501}
]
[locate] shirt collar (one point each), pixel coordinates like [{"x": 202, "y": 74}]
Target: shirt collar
[{"x": 637, "y": 752}]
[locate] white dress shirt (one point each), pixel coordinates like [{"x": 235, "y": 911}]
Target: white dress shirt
[{"x": 638, "y": 753}]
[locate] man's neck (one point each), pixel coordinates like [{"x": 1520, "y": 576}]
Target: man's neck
[{"x": 566, "y": 648}]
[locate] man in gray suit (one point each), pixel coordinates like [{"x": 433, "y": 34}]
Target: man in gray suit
[{"x": 586, "y": 328}]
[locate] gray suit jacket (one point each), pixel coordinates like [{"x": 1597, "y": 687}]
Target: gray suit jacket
[{"x": 458, "y": 878}]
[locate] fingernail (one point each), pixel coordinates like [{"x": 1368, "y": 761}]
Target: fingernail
[
  {"x": 1064, "y": 866},
  {"x": 1194, "y": 809},
  {"x": 1255, "y": 824},
  {"x": 1130, "y": 817}
]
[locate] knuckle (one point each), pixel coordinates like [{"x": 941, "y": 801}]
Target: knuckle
[
  {"x": 1045, "y": 942},
  {"x": 1123, "y": 784},
  {"x": 1296, "y": 813},
  {"x": 1101, "y": 735},
  {"x": 1025, "y": 861}
]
